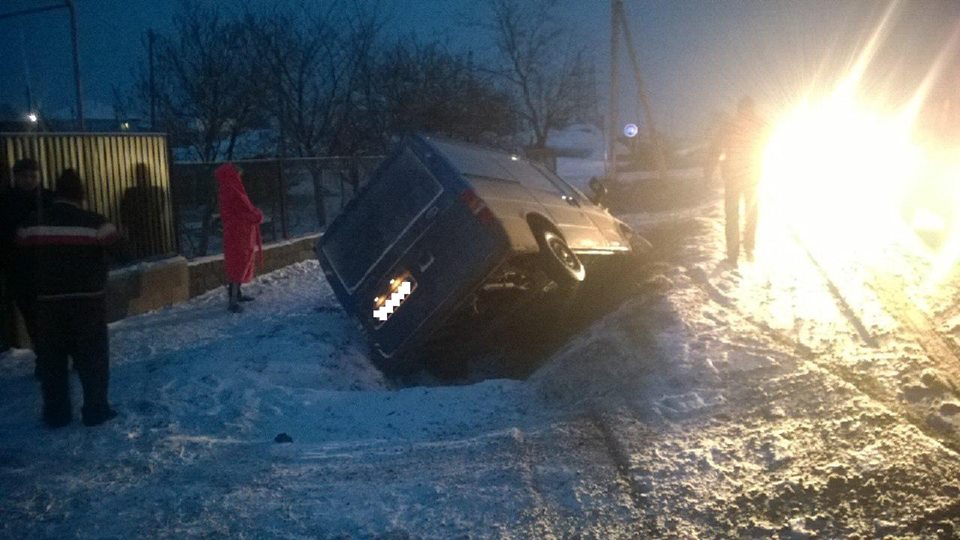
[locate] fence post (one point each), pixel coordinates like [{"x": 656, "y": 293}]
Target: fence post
[
  {"x": 174, "y": 197},
  {"x": 283, "y": 199},
  {"x": 355, "y": 174}
]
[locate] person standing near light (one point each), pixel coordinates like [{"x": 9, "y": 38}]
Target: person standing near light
[{"x": 741, "y": 142}]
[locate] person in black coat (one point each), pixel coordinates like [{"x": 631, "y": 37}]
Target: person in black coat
[
  {"x": 70, "y": 247},
  {"x": 26, "y": 197}
]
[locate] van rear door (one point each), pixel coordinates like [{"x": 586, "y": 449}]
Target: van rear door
[
  {"x": 387, "y": 212},
  {"x": 410, "y": 225}
]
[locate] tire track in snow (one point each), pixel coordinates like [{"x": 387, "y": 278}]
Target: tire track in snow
[
  {"x": 842, "y": 304},
  {"x": 648, "y": 527},
  {"x": 817, "y": 358},
  {"x": 543, "y": 516},
  {"x": 945, "y": 353}
]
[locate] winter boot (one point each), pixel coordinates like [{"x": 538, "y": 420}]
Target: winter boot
[
  {"x": 233, "y": 296},
  {"x": 57, "y": 417},
  {"x": 242, "y": 297},
  {"x": 95, "y": 417}
]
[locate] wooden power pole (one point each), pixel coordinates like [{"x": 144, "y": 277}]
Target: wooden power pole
[
  {"x": 613, "y": 126},
  {"x": 618, "y": 25}
]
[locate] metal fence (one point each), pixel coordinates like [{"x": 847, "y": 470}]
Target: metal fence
[
  {"x": 298, "y": 196},
  {"x": 165, "y": 208},
  {"x": 126, "y": 177}
]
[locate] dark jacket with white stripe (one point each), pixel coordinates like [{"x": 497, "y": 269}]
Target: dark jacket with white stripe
[
  {"x": 68, "y": 251},
  {"x": 16, "y": 206}
]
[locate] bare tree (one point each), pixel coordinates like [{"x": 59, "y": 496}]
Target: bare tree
[
  {"x": 314, "y": 62},
  {"x": 207, "y": 87},
  {"x": 550, "y": 76},
  {"x": 425, "y": 87},
  {"x": 206, "y": 82}
]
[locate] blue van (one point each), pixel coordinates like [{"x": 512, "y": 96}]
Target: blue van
[{"x": 441, "y": 223}]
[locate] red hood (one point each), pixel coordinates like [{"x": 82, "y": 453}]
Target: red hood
[{"x": 227, "y": 174}]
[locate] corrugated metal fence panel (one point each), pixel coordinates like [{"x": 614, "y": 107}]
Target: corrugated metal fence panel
[{"x": 127, "y": 178}]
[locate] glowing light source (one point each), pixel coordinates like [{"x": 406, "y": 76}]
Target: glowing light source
[
  {"x": 631, "y": 130},
  {"x": 839, "y": 166},
  {"x": 853, "y": 180},
  {"x": 33, "y": 118}
]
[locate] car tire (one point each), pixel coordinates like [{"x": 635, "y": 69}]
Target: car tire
[{"x": 559, "y": 261}]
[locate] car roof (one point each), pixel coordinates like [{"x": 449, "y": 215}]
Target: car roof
[{"x": 475, "y": 160}]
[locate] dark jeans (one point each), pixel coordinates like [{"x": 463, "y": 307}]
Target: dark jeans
[
  {"x": 76, "y": 329},
  {"x": 13, "y": 299},
  {"x": 8, "y": 318},
  {"x": 735, "y": 192}
]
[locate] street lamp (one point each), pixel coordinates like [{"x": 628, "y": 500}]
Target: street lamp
[{"x": 33, "y": 122}]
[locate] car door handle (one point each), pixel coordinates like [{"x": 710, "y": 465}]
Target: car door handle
[
  {"x": 432, "y": 212},
  {"x": 570, "y": 200},
  {"x": 426, "y": 261}
]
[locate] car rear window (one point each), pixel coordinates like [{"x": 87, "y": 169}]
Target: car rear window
[{"x": 389, "y": 206}]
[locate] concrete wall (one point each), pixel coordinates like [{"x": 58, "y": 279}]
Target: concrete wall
[
  {"x": 147, "y": 286},
  {"x": 153, "y": 285}
]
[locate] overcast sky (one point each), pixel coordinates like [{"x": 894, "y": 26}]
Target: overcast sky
[{"x": 697, "y": 56}]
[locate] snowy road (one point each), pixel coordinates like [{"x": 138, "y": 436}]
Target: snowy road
[{"x": 712, "y": 402}]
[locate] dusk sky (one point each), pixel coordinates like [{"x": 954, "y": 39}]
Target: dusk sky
[{"x": 697, "y": 56}]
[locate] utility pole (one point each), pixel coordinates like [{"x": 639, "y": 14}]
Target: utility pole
[
  {"x": 618, "y": 24},
  {"x": 76, "y": 62},
  {"x": 612, "y": 113},
  {"x": 153, "y": 87},
  {"x": 76, "y": 50},
  {"x": 26, "y": 71},
  {"x": 644, "y": 100}
]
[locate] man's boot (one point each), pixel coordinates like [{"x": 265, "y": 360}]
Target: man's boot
[
  {"x": 233, "y": 295},
  {"x": 98, "y": 415}
]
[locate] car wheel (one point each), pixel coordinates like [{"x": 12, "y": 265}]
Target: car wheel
[{"x": 559, "y": 261}]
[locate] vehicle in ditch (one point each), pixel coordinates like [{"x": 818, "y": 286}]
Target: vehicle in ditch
[{"x": 442, "y": 225}]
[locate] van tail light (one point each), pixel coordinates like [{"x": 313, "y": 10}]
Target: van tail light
[{"x": 477, "y": 207}]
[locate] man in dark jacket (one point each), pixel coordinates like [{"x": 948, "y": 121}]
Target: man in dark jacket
[
  {"x": 26, "y": 197},
  {"x": 69, "y": 247}
]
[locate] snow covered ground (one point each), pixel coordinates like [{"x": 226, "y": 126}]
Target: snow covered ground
[{"x": 710, "y": 402}]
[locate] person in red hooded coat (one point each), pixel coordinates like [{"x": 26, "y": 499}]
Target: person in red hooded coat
[{"x": 241, "y": 232}]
